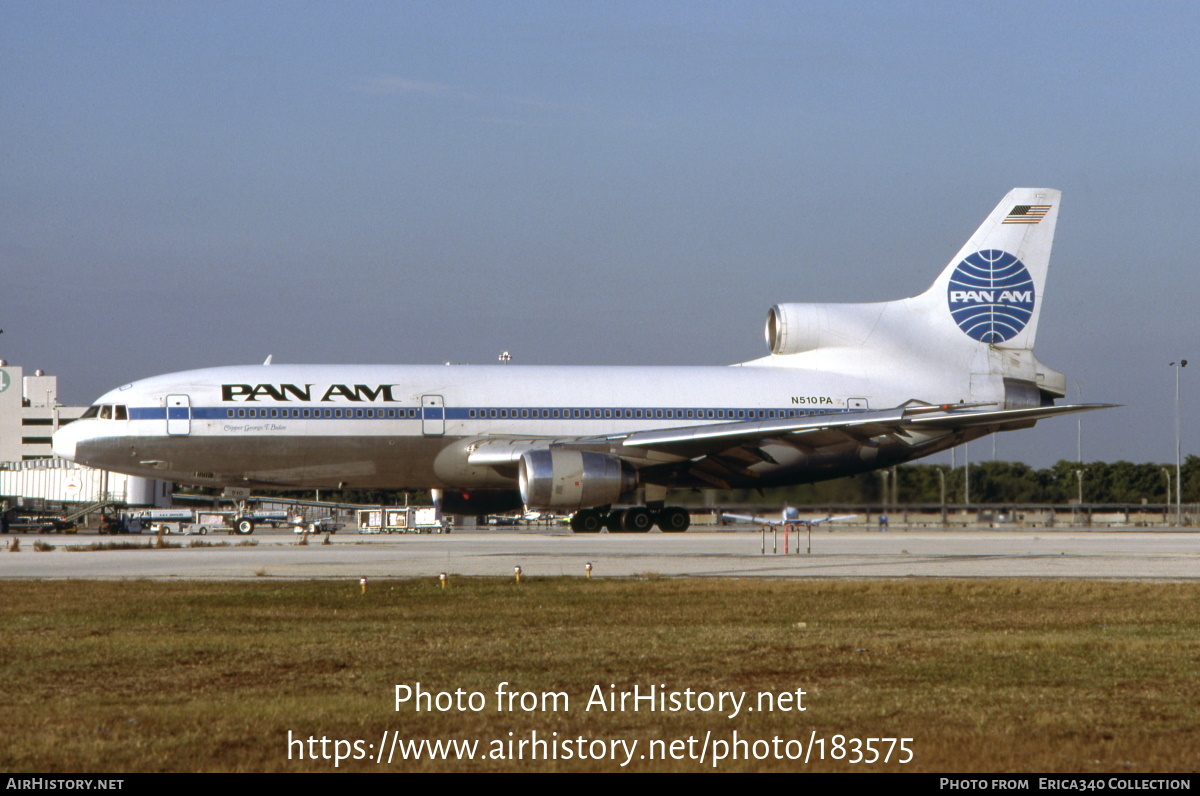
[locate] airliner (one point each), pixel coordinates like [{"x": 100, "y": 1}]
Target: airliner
[{"x": 846, "y": 388}]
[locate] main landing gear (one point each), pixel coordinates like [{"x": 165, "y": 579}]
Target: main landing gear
[{"x": 638, "y": 519}]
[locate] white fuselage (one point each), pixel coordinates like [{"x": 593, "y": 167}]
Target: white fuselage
[{"x": 405, "y": 426}]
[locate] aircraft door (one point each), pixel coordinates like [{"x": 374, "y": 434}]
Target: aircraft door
[
  {"x": 433, "y": 416},
  {"x": 179, "y": 415}
]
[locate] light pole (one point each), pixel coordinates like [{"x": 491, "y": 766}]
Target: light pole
[
  {"x": 1178, "y": 461},
  {"x": 967, "y": 474},
  {"x": 1167, "y": 472},
  {"x": 1079, "y": 425},
  {"x": 942, "y": 479},
  {"x": 1078, "y": 508}
]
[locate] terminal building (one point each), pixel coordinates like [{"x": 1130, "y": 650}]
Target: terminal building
[{"x": 29, "y": 415}]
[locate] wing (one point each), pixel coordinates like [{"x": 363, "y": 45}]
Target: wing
[
  {"x": 753, "y": 519},
  {"x": 738, "y": 453},
  {"x": 857, "y": 426},
  {"x": 830, "y": 519}
]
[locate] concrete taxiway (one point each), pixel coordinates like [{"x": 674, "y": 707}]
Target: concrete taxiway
[{"x": 1059, "y": 553}]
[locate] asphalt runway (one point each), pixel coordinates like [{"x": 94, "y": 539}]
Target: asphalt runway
[{"x": 1058, "y": 553}]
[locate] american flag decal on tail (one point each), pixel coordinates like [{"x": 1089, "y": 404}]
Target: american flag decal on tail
[{"x": 1026, "y": 214}]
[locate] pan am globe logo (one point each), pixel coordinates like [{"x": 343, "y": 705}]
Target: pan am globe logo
[{"x": 991, "y": 296}]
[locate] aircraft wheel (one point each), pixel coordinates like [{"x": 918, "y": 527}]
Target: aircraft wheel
[
  {"x": 587, "y": 522},
  {"x": 244, "y": 527},
  {"x": 674, "y": 520},
  {"x": 613, "y": 521},
  {"x": 637, "y": 520}
]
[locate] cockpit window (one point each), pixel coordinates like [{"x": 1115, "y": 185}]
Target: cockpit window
[{"x": 106, "y": 412}]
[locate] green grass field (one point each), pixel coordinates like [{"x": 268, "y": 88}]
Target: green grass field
[{"x": 981, "y": 675}]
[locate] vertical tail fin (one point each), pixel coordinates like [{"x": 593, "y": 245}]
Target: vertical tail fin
[
  {"x": 979, "y": 318},
  {"x": 992, "y": 289}
]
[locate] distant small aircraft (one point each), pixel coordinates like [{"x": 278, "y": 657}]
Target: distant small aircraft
[{"x": 789, "y": 516}]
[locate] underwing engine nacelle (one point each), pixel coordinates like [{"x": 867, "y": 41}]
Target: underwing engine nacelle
[{"x": 567, "y": 479}]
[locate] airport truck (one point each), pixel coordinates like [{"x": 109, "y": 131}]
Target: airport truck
[
  {"x": 181, "y": 521},
  {"x": 401, "y": 519},
  {"x": 187, "y": 521}
]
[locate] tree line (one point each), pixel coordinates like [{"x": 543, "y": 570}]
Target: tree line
[{"x": 994, "y": 482}]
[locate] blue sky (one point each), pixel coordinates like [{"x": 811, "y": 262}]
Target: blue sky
[{"x": 195, "y": 184}]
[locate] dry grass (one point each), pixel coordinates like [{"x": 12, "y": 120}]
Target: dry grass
[
  {"x": 156, "y": 544},
  {"x": 983, "y": 675}
]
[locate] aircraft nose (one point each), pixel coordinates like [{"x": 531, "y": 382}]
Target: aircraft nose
[{"x": 63, "y": 442}]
